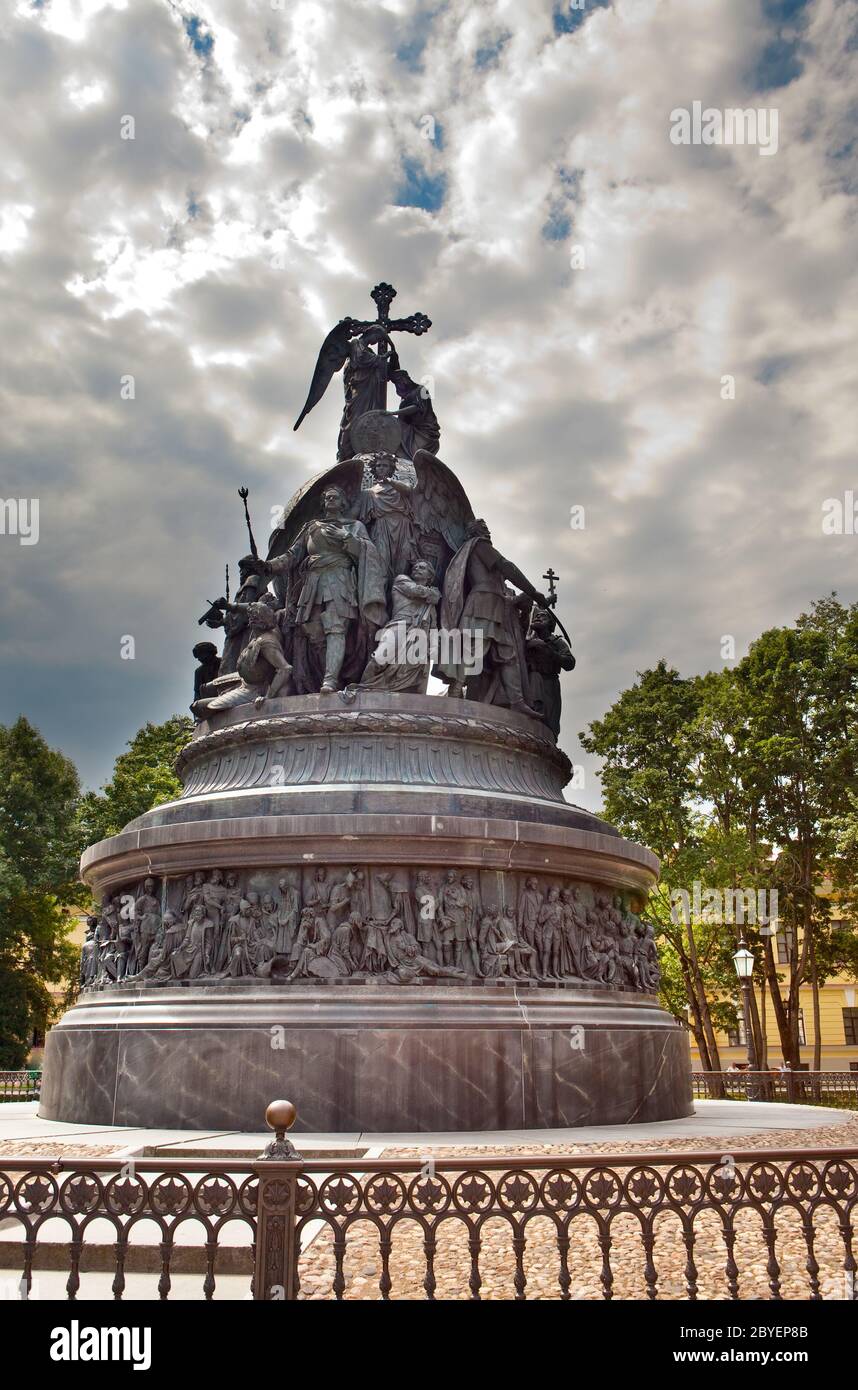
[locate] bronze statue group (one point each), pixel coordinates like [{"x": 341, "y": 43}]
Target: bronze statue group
[
  {"x": 358, "y": 581},
  {"x": 383, "y": 543},
  {"x": 380, "y": 549}
]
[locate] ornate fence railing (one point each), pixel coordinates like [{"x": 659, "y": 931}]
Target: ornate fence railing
[
  {"x": 97, "y": 1204},
  {"x": 20, "y": 1085},
  {"x": 839, "y": 1088},
  {"x": 756, "y": 1224}
]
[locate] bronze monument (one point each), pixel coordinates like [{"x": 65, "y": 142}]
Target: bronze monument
[{"x": 368, "y": 894}]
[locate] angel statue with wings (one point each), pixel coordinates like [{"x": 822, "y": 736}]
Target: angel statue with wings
[{"x": 365, "y": 353}]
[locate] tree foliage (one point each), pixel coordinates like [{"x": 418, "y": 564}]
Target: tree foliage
[
  {"x": 45, "y": 823},
  {"x": 745, "y": 779},
  {"x": 143, "y": 777},
  {"x": 39, "y": 848}
]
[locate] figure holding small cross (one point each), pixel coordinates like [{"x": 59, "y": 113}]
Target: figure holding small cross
[{"x": 547, "y": 654}]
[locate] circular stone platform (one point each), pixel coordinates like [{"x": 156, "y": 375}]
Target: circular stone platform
[{"x": 382, "y": 788}]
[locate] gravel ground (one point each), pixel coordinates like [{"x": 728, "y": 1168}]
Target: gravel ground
[
  {"x": 362, "y": 1265},
  {"x": 839, "y": 1136}
]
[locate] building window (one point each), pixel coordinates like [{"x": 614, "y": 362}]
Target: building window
[
  {"x": 850, "y": 1026},
  {"x": 802, "y": 1036},
  {"x": 784, "y": 941},
  {"x": 737, "y": 1037}
]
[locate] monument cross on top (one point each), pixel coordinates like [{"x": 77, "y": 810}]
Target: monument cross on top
[
  {"x": 415, "y": 323},
  {"x": 352, "y": 338}
]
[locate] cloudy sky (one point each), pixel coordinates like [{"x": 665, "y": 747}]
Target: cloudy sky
[{"x": 508, "y": 166}]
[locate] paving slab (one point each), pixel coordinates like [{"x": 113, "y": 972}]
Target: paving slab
[
  {"x": 718, "y": 1119},
  {"x": 712, "y": 1118}
]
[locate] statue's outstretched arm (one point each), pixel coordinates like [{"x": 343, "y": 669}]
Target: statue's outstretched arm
[
  {"x": 402, "y": 484},
  {"x": 513, "y": 574},
  {"x": 283, "y": 564}
]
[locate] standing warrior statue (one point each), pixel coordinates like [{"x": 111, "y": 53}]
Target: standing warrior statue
[
  {"x": 234, "y": 620},
  {"x": 343, "y": 583},
  {"x": 365, "y": 349}
]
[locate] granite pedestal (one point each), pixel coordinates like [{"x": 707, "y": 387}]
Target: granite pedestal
[{"x": 383, "y": 788}]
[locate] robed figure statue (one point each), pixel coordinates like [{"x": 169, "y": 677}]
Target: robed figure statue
[{"x": 340, "y": 582}]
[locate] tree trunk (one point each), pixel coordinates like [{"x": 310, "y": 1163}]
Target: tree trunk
[
  {"x": 799, "y": 961},
  {"x": 699, "y": 1018},
  {"x": 781, "y": 1014},
  {"x": 817, "y": 1030},
  {"x": 756, "y": 1029},
  {"x": 764, "y": 1029},
  {"x": 695, "y": 1021},
  {"x": 700, "y": 997}
]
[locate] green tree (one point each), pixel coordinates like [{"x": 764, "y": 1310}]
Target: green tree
[
  {"x": 650, "y": 793},
  {"x": 143, "y": 777},
  {"x": 738, "y": 861},
  {"x": 799, "y": 750},
  {"x": 844, "y": 828},
  {"x": 39, "y": 849},
  {"x": 744, "y": 780}
]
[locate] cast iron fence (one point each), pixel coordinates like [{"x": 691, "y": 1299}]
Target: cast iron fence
[
  {"x": 647, "y": 1226},
  {"x": 20, "y": 1085},
  {"x": 836, "y": 1088}
]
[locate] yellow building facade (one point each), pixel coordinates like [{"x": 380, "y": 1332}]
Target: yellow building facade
[{"x": 838, "y": 1019}]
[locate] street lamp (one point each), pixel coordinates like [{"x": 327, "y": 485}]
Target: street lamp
[{"x": 744, "y": 963}]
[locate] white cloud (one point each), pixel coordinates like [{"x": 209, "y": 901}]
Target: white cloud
[
  {"x": 259, "y": 202},
  {"x": 14, "y": 218}
]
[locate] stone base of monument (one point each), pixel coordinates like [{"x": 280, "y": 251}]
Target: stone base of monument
[
  {"x": 342, "y": 807},
  {"x": 378, "y": 1058}
]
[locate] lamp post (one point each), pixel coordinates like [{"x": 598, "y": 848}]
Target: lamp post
[{"x": 743, "y": 960}]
